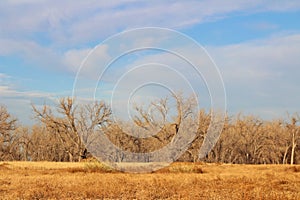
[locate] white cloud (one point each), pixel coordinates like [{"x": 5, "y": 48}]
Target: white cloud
[
  {"x": 31, "y": 52},
  {"x": 260, "y": 59},
  {"x": 73, "y": 58},
  {"x": 72, "y": 23},
  {"x": 19, "y": 103},
  {"x": 7, "y": 91},
  {"x": 49, "y": 33},
  {"x": 163, "y": 14},
  {"x": 88, "y": 63},
  {"x": 261, "y": 76},
  {"x": 4, "y": 79}
]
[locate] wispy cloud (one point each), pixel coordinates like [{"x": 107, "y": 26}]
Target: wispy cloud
[
  {"x": 259, "y": 59},
  {"x": 265, "y": 71},
  {"x": 59, "y": 34},
  {"x": 19, "y": 102},
  {"x": 32, "y": 53},
  {"x": 261, "y": 26},
  {"x": 52, "y": 34},
  {"x": 70, "y": 22}
]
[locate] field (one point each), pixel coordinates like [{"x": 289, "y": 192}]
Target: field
[{"x": 91, "y": 180}]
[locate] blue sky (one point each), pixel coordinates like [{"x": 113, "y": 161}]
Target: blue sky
[{"x": 255, "y": 44}]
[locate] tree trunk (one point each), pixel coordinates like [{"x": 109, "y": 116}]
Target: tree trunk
[
  {"x": 284, "y": 160},
  {"x": 70, "y": 157},
  {"x": 294, "y": 144}
]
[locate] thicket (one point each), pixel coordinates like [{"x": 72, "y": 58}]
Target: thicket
[{"x": 63, "y": 132}]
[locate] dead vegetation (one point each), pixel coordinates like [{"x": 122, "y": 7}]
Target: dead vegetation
[
  {"x": 49, "y": 180},
  {"x": 65, "y": 132}
]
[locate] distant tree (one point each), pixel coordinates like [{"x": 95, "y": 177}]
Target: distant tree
[
  {"x": 65, "y": 130},
  {"x": 8, "y": 139},
  {"x": 21, "y": 150},
  {"x": 293, "y": 131},
  {"x": 45, "y": 146}
]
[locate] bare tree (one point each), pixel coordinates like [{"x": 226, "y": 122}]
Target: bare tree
[
  {"x": 73, "y": 125},
  {"x": 155, "y": 125},
  {"x": 184, "y": 108},
  {"x": 7, "y": 136},
  {"x": 66, "y": 129},
  {"x": 293, "y": 129},
  {"x": 45, "y": 146}
]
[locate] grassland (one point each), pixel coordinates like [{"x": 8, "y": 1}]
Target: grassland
[{"x": 48, "y": 180}]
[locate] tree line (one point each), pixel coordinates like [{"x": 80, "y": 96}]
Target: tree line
[{"x": 63, "y": 132}]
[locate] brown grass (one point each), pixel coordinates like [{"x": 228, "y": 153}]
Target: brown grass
[{"x": 48, "y": 180}]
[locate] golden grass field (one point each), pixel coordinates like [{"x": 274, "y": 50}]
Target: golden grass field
[{"x": 91, "y": 180}]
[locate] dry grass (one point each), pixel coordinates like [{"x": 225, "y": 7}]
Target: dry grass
[{"x": 48, "y": 180}]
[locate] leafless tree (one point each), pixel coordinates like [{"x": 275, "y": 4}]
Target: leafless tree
[
  {"x": 66, "y": 129},
  {"x": 8, "y": 139},
  {"x": 293, "y": 130},
  {"x": 73, "y": 125}
]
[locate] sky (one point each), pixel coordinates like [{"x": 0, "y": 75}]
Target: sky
[{"x": 255, "y": 46}]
